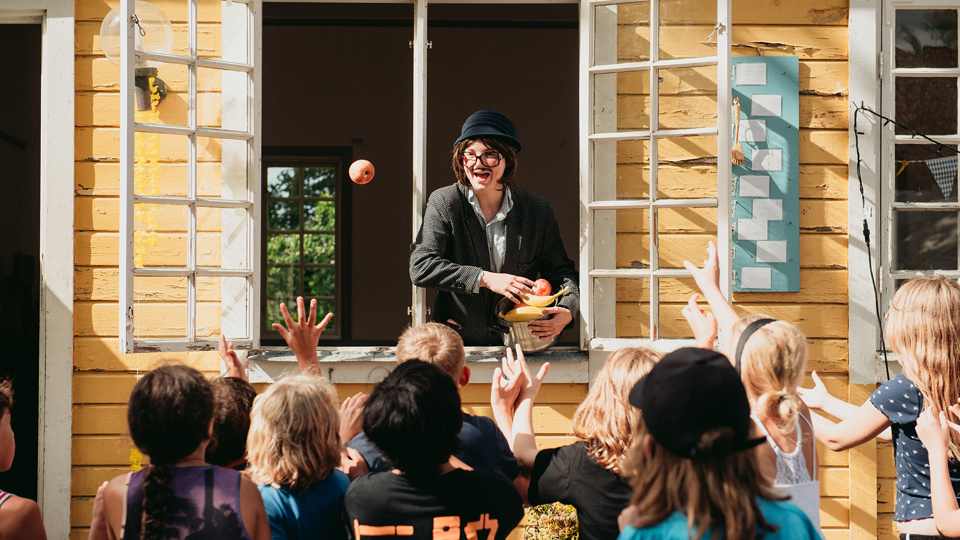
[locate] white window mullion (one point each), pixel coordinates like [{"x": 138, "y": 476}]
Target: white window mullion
[
  {"x": 654, "y": 167},
  {"x": 127, "y": 108},
  {"x": 254, "y": 109},
  {"x": 418, "y": 307},
  {"x": 192, "y": 177},
  {"x": 724, "y": 146}
]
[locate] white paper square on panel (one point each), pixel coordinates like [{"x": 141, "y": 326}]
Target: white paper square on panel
[
  {"x": 753, "y": 131},
  {"x": 754, "y": 185},
  {"x": 772, "y": 251},
  {"x": 751, "y": 229},
  {"x": 753, "y": 74},
  {"x": 768, "y": 209},
  {"x": 754, "y": 277},
  {"x": 765, "y": 105},
  {"x": 767, "y": 159}
]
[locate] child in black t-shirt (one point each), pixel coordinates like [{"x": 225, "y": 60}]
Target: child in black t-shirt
[{"x": 414, "y": 416}]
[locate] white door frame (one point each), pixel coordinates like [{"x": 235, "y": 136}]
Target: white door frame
[{"x": 57, "y": 84}]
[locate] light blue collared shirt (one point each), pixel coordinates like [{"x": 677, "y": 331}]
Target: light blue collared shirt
[{"x": 495, "y": 229}]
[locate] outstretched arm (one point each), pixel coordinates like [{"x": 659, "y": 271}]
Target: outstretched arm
[
  {"x": 934, "y": 433},
  {"x": 524, "y": 439},
  {"x": 303, "y": 335},
  {"x": 819, "y": 398},
  {"x": 708, "y": 279},
  {"x": 504, "y": 390}
]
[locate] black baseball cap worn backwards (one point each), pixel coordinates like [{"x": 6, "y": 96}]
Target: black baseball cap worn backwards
[
  {"x": 490, "y": 124},
  {"x": 689, "y": 393}
]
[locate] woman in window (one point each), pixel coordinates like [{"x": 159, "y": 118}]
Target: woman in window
[{"x": 482, "y": 239}]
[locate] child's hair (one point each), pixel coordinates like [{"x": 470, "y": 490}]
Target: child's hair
[
  {"x": 294, "y": 438},
  {"x": 923, "y": 330},
  {"x": 6, "y": 397},
  {"x": 434, "y": 343},
  {"x": 772, "y": 365},
  {"x": 233, "y": 399},
  {"x": 169, "y": 416},
  {"x": 605, "y": 419},
  {"x": 718, "y": 491},
  {"x": 414, "y": 416}
]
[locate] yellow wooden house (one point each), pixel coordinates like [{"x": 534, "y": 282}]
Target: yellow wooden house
[{"x": 162, "y": 224}]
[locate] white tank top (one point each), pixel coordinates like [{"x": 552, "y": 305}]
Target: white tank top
[{"x": 793, "y": 478}]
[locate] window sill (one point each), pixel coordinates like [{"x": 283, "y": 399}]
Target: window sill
[{"x": 369, "y": 365}]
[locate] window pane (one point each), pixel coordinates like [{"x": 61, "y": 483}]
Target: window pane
[
  {"x": 320, "y": 215},
  {"x": 319, "y": 181},
  {"x": 926, "y": 240},
  {"x": 688, "y": 98},
  {"x": 319, "y": 248},
  {"x": 927, "y": 105},
  {"x": 926, "y": 38},
  {"x": 629, "y": 23},
  {"x": 283, "y": 215},
  {"x": 674, "y": 294},
  {"x": 623, "y": 102},
  {"x": 283, "y": 282},
  {"x": 283, "y": 182},
  {"x": 687, "y": 167},
  {"x": 687, "y": 28},
  {"x": 283, "y": 249},
  {"x": 320, "y": 281},
  {"x": 915, "y": 180}
]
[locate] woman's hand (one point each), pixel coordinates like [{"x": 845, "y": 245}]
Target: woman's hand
[
  {"x": 516, "y": 288},
  {"x": 704, "y": 325},
  {"x": 548, "y": 327},
  {"x": 303, "y": 335},
  {"x": 815, "y": 397}
]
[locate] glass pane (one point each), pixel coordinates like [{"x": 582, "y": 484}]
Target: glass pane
[
  {"x": 926, "y": 240},
  {"x": 283, "y": 182},
  {"x": 161, "y": 94},
  {"x": 320, "y": 216},
  {"x": 926, "y": 38},
  {"x": 232, "y": 158},
  {"x": 320, "y": 282},
  {"x": 629, "y": 23},
  {"x": 283, "y": 282},
  {"x": 915, "y": 178},
  {"x": 683, "y": 234},
  {"x": 687, "y": 29},
  {"x": 319, "y": 181},
  {"x": 160, "y": 235},
  {"x": 228, "y": 250},
  {"x": 688, "y": 98},
  {"x": 283, "y": 249},
  {"x": 160, "y": 164},
  {"x": 674, "y": 294},
  {"x": 621, "y": 170},
  {"x": 631, "y": 229},
  {"x": 153, "y": 320},
  {"x": 631, "y": 317},
  {"x": 319, "y": 249},
  {"x": 927, "y": 105},
  {"x": 160, "y": 289},
  {"x": 283, "y": 215},
  {"x": 622, "y": 102},
  {"x": 688, "y": 167}
]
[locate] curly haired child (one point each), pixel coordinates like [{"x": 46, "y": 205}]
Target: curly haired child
[{"x": 293, "y": 449}]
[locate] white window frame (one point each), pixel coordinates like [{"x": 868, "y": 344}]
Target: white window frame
[
  {"x": 597, "y": 236},
  {"x": 241, "y": 110},
  {"x": 871, "y": 67}
]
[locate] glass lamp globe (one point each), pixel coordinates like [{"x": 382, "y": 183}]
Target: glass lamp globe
[{"x": 154, "y": 33}]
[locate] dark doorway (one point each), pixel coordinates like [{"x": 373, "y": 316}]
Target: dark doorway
[{"x": 20, "y": 249}]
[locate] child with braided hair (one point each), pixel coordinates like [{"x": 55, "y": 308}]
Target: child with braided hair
[{"x": 170, "y": 416}]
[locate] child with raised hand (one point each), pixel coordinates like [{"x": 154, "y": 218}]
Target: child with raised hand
[
  {"x": 19, "y": 517},
  {"x": 178, "y": 495},
  {"x": 293, "y": 449},
  {"x": 771, "y": 357},
  {"x": 690, "y": 463},
  {"x": 923, "y": 330},
  {"x": 587, "y": 473}
]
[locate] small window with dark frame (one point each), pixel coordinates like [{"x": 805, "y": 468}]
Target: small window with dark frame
[{"x": 302, "y": 237}]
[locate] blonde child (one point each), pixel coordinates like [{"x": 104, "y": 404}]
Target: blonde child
[
  {"x": 19, "y": 517},
  {"x": 771, "y": 357},
  {"x": 587, "y": 473},
  {"x": 170, "y": 416},
  {"x": 293, "y": 449},
  {"x": 923, "y": 330},
  {"x": 692, "y": 473}
]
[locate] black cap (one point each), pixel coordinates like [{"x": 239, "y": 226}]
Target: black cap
[
  {"x": 691, "y": 392},
  {"x": 489, "y": 124}
]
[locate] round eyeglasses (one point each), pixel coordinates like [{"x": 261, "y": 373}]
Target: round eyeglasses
[{"x": 487, "y": 159}]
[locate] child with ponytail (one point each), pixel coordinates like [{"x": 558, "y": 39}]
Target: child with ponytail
[
  {"x": 178, "y": 495},
  {"x": 771, "y": 357}
]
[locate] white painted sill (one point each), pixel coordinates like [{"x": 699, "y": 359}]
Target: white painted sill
[{"x": 353, "y": 365}]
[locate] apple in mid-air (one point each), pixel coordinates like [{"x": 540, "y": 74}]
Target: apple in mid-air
[{"x": 361, "y": 171}]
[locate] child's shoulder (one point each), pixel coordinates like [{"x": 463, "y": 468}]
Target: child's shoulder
[
  {"x": 788, "y": 516},
  {"x": 20, "y": 518}
]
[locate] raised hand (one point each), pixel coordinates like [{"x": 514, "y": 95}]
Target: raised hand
[
  {"x": 351, "y": 416},
  {"x": 303, "y": 335},
  {"x": 235, "y": 367},
  {"x": 815, "y": 397},
  {"x": 704, "y": 325}
]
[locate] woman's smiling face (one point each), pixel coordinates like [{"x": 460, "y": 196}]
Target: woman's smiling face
[{"x": 481, "y": 176}]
